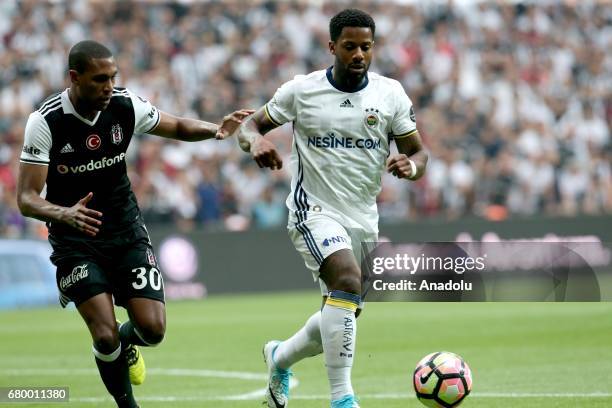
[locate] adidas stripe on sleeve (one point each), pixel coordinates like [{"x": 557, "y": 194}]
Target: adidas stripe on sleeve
[{"x": 37, "y": 140}]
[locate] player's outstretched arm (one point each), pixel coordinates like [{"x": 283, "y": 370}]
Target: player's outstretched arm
[
  {"x": 193, "y": 130},
  {"x": 31, "y": 180},
  {"x": 411, "y": 160},
  {"x": 250, "y": 139}
]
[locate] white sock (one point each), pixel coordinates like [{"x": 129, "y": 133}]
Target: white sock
[
  {"x": 107, "y": 358},
  {"x": 305, "y": 343},
  {"x": 340, "y": 382},
  {"x": 339, "y": 335}
]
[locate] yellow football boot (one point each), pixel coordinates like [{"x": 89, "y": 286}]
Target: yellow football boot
[{"x": 136, "y": 364}]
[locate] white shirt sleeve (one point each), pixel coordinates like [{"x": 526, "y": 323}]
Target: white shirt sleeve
[
  {"x": 404, "y": 120},
  {"x": 146, "y": 115},
  {"x": 281, "y": 108},
  {"x": 36, "y": 141}
]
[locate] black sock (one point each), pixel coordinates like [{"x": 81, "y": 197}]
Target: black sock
[
  {"x": 128, "y": 335},
  {"x": 116, "y": 378},
  {"x": 127, "y": 401}
]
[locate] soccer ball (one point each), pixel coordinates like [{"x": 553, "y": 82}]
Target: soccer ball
[{"x": 442, "y": 380}]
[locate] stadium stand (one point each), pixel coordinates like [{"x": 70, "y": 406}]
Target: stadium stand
[{"x": 513, "y": 100}]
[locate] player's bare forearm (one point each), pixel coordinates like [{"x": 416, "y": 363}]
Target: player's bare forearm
[
  {"x": 185, "y": 129},
  {"x": 33, "y": 206},
  {"x": 420, "y": 160},
  {"x": 193, "y": 130},
  {"x": 256, "y": 125},
  {"x": 411, "y": 161},
  {"x": 30, "y": 183},
  {"x": 247, "y": 133},
  {"x": 78, "y": 216},
  {"x": 250, "y": 139}
]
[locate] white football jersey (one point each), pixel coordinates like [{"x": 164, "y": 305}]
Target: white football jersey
[{"x": 341, "y": 143}]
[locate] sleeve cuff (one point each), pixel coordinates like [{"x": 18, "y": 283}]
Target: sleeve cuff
[
  {"x": 269, "y": 116},
  {"x": 156, "y": 122},
  {"x": 30, "y": 161},
  {"x": 407, "y": 134}
]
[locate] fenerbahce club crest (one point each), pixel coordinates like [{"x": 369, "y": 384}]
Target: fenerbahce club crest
[
  {"x": 371, "y": 117},
  {"x": 116, "y": 134}
]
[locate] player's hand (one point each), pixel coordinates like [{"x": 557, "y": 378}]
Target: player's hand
[
  {"x": 82, "y": 218},
  {"x": 231, "y": 122},
  {"x": 399, "y": 166},
  {"x": 265, "y": 155}
]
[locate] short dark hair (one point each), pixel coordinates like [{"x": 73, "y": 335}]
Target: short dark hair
[
  {"x": 82, "y": 52},
  {"x": 350, "y": 18}
]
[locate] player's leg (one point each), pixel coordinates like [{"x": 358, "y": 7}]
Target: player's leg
[
  {"x": 306, "y": 342},
  {"x": 146, "y": 327},
  {"x": 81, "y": 280},
  {"x": 147, "y": 324},
  {"x": 315, "y": 239},
  {"x": 98, "y": 313},
  {"x": 140, "y": 290},
  {"x": 342, "y": 275}
]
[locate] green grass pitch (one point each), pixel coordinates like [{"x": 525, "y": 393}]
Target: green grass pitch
[{"x": 521, "y": 354}]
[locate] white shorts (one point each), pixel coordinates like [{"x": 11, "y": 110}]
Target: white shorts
[{"x": 319, "y": 236}]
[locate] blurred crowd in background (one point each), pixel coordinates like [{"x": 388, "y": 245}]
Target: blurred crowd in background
[{"x": 513, "y": 100}]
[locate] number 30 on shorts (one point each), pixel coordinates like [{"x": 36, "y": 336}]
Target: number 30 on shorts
[{"x": 153, "y": 278}]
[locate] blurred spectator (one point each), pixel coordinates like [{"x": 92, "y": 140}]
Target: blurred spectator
[
  {"x": 269, "y": 210},
  {"x": 513, "y": 99}
]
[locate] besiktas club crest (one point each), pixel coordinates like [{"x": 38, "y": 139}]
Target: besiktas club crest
[
  {"x": 151, "y": 257},
  {"x": 116, "y": 134}
]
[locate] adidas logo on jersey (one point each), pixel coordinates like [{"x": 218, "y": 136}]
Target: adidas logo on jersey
[
  {"x": 67, "y": 149},
  {"x": 346, "y": 104}
]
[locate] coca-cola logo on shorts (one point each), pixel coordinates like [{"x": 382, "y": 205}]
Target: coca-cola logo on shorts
[{"x": 78, "y": 273}]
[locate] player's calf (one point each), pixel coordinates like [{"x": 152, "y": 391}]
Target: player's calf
[
  {"x": 152, "y": 332},
  {"x": 147, "y": 324},
  {"x": 113, "y": 370},
  {"x": 338, "y": 332},
  {"x": 147, "y": 335},
  {"x": 150, "y": 335}
]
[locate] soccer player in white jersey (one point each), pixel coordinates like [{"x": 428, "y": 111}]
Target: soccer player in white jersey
[{"x": 344, "y": 119}]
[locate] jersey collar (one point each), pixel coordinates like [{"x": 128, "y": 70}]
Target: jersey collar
[
  {"x": 69, "y": 109},
  {"x": 330, "y": 78}
]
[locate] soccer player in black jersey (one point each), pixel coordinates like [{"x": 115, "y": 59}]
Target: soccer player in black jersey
[{"x": 75, "y": 143}]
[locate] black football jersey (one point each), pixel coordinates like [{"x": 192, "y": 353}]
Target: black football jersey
[{"x": 89, "y": 155}]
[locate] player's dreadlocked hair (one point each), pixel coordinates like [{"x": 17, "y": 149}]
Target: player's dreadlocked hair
[
  {"x": 82, "y": 52},
  {"x": 350, "y": 18}
]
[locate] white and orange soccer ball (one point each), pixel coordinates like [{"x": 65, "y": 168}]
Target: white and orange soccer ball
[{"x": 442, "y": 380}]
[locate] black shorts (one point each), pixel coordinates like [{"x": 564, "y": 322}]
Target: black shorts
[{"x": 123, "y": 265}]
